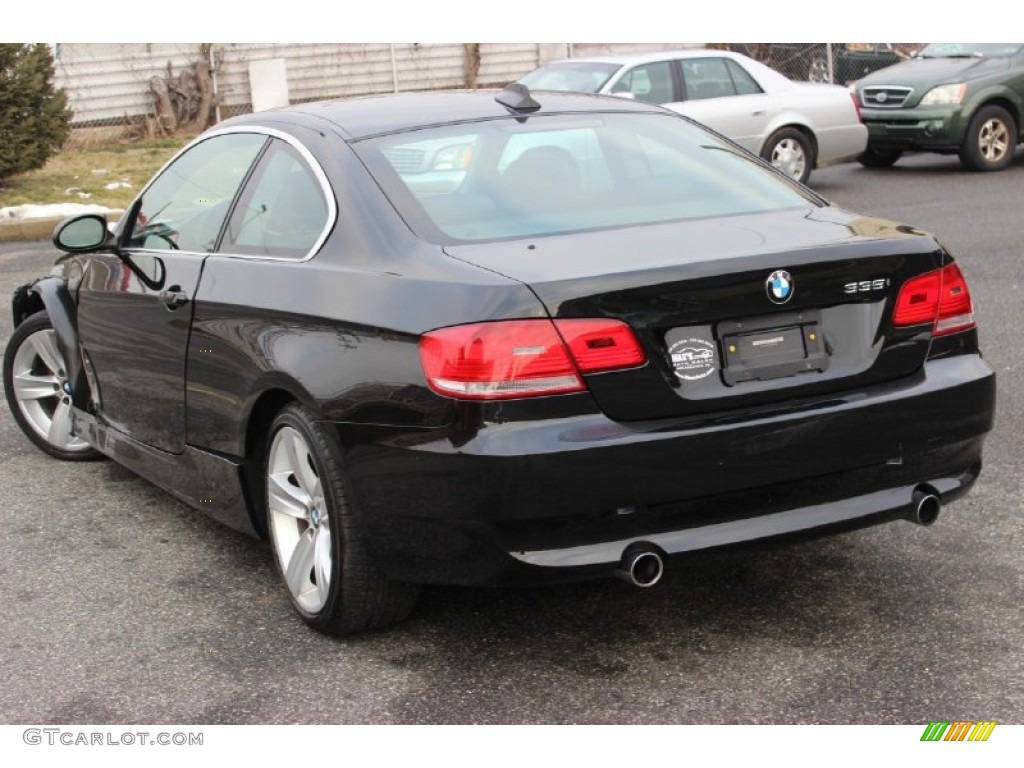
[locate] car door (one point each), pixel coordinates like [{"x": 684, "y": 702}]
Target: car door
[
  {"x": 720, "y": 93},
  {"x": 134, "y": 315}
]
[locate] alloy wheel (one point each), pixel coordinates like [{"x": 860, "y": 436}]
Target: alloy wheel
[
  {"x": 299, "y": 519},
  {"x": 994, "y": 140},
  {"x": 40, "y": 384}
]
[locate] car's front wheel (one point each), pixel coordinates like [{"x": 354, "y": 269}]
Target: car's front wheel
[
  {"x": 790, "y": 151},
  {"x": 317, "y": 542},
  {"x": 872, "y": 157},
  {"x": 36, "y": 385},
  {"x": 991, "y": 140}
]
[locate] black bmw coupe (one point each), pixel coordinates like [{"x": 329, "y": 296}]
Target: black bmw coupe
[{"x": 481, "y": 339}]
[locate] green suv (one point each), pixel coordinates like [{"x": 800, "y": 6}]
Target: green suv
[{"x": 963, "y": 98}]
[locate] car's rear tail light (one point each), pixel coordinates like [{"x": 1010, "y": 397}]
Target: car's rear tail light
[
  {"x": 956, "y": 310},
  {"x": 524, "y": 358},
  {"x": 918, "y": 300},
  {"x": 856, "y": 105},
  {"x": 940, "y": 297},
  {"x": 601, "y": 345}
]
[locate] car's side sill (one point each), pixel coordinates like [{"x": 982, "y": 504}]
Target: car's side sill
[{"x": 207, "y": 481}]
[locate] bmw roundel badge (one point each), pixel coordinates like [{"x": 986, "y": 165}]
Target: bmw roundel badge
[{"x": 779, "y": 286}]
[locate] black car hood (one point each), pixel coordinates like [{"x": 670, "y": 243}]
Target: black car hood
[{"x": 927, "y": 73}]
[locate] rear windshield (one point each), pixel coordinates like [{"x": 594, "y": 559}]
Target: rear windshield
[
  {"x": 556, "y": 174},
  {"x": 580, "y": 76},
  {"x": 968, "y": 50}
]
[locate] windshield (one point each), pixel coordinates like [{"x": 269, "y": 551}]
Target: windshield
[
  {"x": 578, "y": 76},
  {"x": 967, "y": 50},
  {"x": 553, "y": 174}
]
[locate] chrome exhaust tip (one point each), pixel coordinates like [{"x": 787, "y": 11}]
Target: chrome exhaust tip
[
  {"x": 926, "y": 505},
  {"x": 641, "y": 566}
]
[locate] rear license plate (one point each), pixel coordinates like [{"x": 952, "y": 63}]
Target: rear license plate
[{"x": 759, "y": 354}]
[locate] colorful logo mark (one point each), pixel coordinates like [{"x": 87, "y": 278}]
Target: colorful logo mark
[{"x": 958, "y": 730}]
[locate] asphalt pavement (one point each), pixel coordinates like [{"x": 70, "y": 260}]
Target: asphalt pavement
[{"x": 120, "y": 605}]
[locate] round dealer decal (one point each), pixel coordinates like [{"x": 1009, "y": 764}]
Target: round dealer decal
[{"x": 693, "y": 358}]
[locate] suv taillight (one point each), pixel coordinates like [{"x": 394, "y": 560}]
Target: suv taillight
[
  {"x": 524, "y": 358},
  {"x": 940, "y": 297}
]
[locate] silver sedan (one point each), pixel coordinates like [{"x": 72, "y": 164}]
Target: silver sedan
[{"x": 795, "y": 126}]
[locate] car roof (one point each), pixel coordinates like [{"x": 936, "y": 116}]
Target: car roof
[
  {"x": 644, "y": 58},
  {"x": 768, "y": 78},
  {"x": 370, "y": 116}
]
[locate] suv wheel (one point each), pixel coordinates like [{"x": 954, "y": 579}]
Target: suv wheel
[
  {"x": 879, "y": 158},
  {"x": 991, "y": 140}
]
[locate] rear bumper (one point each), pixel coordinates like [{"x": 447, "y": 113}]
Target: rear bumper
[
  {"x": 561, "y": 499},
  {"x": 839, "y": 143},
  {"x": 935, "y": 129}
]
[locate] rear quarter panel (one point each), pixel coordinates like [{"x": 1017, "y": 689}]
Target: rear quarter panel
[{"x": 338, "y": 332}]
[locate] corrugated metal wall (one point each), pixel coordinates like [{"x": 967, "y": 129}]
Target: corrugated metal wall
[
  {"x": 108, "y": 82},
  {"x": 623, "y": 49},
  {"x": 501, "y": 63},
  {"x": 332, "y": 70}
]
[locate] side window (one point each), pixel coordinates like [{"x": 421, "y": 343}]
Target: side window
[
  {"x": 651, "y": 83},
  {"x": 282, "y": 211},
  {"x": 707, "y": 79},
  {"x": 184, "y": 208},
  {"x": 744, "y": 83}
]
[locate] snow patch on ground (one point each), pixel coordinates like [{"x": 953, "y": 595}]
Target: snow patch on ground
[{"x": 56, "y": 210}]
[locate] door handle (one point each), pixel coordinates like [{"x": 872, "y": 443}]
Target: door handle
[
  {"x": 757, "y": 112},
  {"x": 174, "y": 299}
]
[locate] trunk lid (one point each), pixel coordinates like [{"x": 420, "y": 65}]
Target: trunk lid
[{"x": 717, "y": 335}]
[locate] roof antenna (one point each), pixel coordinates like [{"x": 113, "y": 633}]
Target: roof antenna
[{"x": 516, "y": 98}]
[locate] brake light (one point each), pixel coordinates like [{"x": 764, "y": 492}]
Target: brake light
[
  {"x": 856, "y": 105},
  {"x": 601, "y": 345},
  {"x": 918, "y": 300},
  {"x": 940, "y": 297},
  {"x": 524, "y": 358},
  {"x": 956, "y": 310}
]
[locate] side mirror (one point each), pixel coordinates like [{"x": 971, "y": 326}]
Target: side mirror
[
  {"x": 83, "y": 233},
  {"x": 89, "y": 233}
]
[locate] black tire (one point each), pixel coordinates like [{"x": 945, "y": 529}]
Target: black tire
[
  {"x": 359, "y": 596},
  {"x": 789, "y": 150},
  {"x": 872, "y": 157},
  {"x": 40, "y": 414},
  {"x": 991, "y": 140}
]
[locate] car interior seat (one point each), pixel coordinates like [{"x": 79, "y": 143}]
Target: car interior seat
[{"x": 541, "y": 180}]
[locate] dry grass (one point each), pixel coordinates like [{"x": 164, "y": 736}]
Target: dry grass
[{"x": 80, "y": 173}]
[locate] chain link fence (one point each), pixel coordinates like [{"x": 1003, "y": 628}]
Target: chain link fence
[
  {"x": 114, "y": 89},
  {"x": 840, "y": 63}
]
